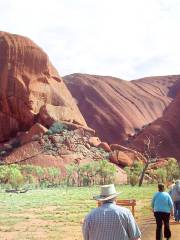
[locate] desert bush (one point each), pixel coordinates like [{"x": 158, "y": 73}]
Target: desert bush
[
  {"x": 173, "y": 169},
  {"x": 134, "y": 172},
  {"x": 54, "y": 175},
  {"x": 57, "y": 127},
  {"x": 15, "y": 178},
  {"x": 99, "y": 172},
  {"x": 133, "y": 179},
  {"x": 20, "y": 175},
  {"x": 161, "y": 174}
]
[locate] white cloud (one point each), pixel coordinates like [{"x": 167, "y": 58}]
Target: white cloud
[{"x": 123, "y": 38}]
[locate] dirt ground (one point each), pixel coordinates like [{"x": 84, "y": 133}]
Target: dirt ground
[
  {"x": 148, "y": 229},
  {"x": 34, "y": 229},
  {"x": 37, "y": 229}
]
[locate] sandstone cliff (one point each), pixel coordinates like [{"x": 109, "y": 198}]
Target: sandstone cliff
[
  {"x": 31, "y": 90},
  {"x": 118, "y": 109},
  {"x": 164, "y": 133}
]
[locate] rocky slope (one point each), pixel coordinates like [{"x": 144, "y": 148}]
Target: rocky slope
[
  {"x": 68, "y": 146},
  {"x": 164, "y": 133},
  {"x": 118, "y": 109},
  {"x": 32, "y": 97},
  {"x": 31, "y": 90}
]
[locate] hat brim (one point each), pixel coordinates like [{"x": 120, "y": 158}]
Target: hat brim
[{"x": 105, "y": 198}]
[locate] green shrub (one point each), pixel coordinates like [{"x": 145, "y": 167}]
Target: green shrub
[
  {"x": 134, "y": 172},
  {"x": 161, "y": 174},
  {"x": 57, "y": 127},
  {"x": 15, "y": 178},
  {"x": 100, "y": 172},
  {"x": 173, "y": 169},
  {"x": 134, "y": 179}
]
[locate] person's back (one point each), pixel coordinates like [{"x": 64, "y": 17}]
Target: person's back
[
  {"x": 176, "y": 199},
  {"x": 111, "y": 222},
  {"x": 161, "y": 202},
  {"x": 176, "y": 191},
  {"x": 162, "y": 206}
]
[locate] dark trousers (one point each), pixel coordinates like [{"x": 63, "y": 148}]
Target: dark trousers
[
  {"x": 162, "y": 217},
  {"x": 177, "y": 210}
]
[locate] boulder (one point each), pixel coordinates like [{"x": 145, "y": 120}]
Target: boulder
[
  {"x": 94, "y": 141},
  {"x": 105, "y": 146},
  {"x": 120, "y": 158},
  {"x": 31, "y": 89},
  {"x": 35, "y": 131}
]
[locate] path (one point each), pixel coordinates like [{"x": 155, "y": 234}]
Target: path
[{"x": 148, "y": 229}]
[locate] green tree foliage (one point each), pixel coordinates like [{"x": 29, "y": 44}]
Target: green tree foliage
[
  {"x": 15, "y": 177},
  {"x": 134, "y": 172},
  {"x": 161, "y": 175},
  {"x": 19, "y": 175},
  {"x": 173, "y": 169},
  {"x": 99, "y": 172}
]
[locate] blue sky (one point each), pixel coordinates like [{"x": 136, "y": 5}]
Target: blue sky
[{"x": 128, "y": 39}]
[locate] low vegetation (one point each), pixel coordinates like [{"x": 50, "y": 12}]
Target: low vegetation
[
  {"x": 170, "y": 171},
  {"x": 57, "y": 213},
  {"x": 29, "y": 176}
]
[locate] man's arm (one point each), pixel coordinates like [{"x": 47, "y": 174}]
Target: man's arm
[
  {"x": 85, "y": 229},
  {"x": 133, "y": 229}
]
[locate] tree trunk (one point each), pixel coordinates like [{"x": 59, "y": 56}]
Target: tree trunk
[{"x": 143, "y": 173}]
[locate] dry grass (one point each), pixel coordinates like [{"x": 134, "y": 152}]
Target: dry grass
[{"x": 57, "y": 213}]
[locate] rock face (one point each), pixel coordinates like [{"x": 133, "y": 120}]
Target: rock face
[
  {"x": 59, "y": 150},
  {"x": 164, "y": 133},
  {"x": 118, "y": 109},
  {"x": 30, "y": 85}
]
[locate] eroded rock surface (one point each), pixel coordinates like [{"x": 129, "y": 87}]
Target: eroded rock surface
[
  {"x": 118, "y": 109},
  {"x": 29, "y": 84},
  {"x": 164, "y": 133}
]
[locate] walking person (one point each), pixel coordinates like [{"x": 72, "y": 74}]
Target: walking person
[
  {"x": 162, "y": 206},
  {"x": 171, "y": 187},
  {"x": 109, "y": 221},
  {"x": 175, "y": 194}
]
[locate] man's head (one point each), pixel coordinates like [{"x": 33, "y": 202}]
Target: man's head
[
  {"x": 108, "y": 193},
  {"x": 161, "y": 187}
]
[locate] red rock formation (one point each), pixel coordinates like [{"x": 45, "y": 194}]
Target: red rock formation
[
  {"x": 29, "y": 84},
  {"x": 35, "y": 131},
  {"x": 105, "y": 146},
  {"x": 116, "y": 108},
  {"x": 165, "y": 130}
]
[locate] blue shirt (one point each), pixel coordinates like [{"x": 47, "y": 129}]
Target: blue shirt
[
  {"x": 162, "y": 202},
  {"x": 110, "y": 222}
]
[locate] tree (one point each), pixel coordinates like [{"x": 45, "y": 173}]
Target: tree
[
  {"x": 15, "y": 178},
  {"x": 134, "y": 172},
  {"x": 161, "y": 174},
  {"x": 173, "y": 169},
  {"x": 106, "y": 171},
  {"x": 151, "y": 146}
]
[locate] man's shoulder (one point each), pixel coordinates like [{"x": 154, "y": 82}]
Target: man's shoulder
[
  {"x": 123, "y": 209},
  {"x": 119, "y": 209},
  {"x": 112, "y": 208}
]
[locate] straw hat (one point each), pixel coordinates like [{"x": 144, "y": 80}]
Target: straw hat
[{"x": 107, "y": 192}]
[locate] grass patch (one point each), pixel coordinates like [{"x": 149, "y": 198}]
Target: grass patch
[{"x": 56, "y": 212}]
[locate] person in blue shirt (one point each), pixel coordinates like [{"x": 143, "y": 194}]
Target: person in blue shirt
[{"x": 162, "y": 206}]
